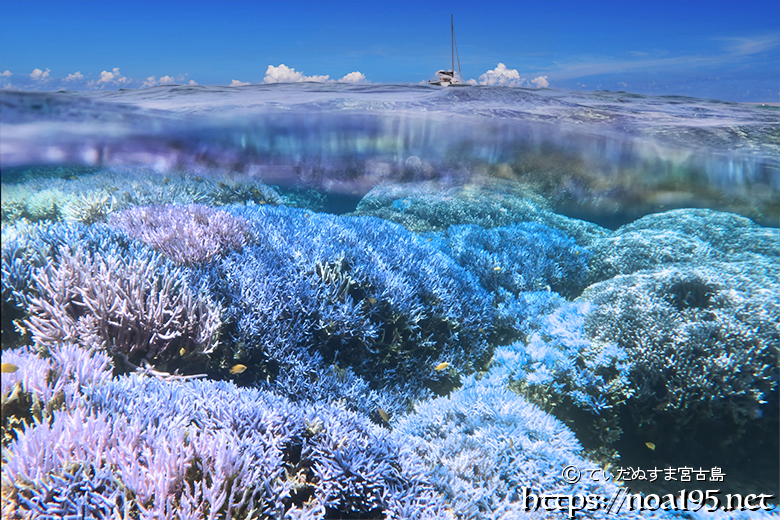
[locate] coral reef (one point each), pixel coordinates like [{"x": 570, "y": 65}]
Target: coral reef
[
  {"x": 185, "y": 234},
  {"x": 39, "y": 386},
  {"x": 314, "y": 290},
  {"x": 88, "y": 199},
  {"x": 702, "y": 341},
  {"x": 519, "y": 257},
  {"x": 580, "y": 381},
  {"x": 485, "y": 444},
  {"x": 137, "y": 309},
  {"x": 26, "y": 248},
  {"x": 430, "y": 206},
  {"x": 681, "y": 236},
  {"x": 201, "y": 449}
]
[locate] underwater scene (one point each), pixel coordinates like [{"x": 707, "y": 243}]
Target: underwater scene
[{"x": 331, "y": 301}]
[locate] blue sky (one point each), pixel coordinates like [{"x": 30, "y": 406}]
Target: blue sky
[{"x": 726, "y": 50}]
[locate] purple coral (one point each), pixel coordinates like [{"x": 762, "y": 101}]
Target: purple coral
[
  {"x": 205, "y": 449},
  {"x": 137, "y": 308},
  {"x": 185, "y": 234}
]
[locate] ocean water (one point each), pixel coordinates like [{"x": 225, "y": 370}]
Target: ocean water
[{"x": 384, "y": 301}]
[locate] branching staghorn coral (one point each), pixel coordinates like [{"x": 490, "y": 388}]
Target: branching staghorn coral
[
  {"x": 520, "y": 257},
  {"x": 203, "y": 449},
  {"x": 185, "y": 234},
  {"x": 432, "y": 206},
  {"x": 139, "y": 308},
  {"x": 315, "y": 290},
  {"x": 703, "y": 343},
  {"x": 485, "y": 444},
  {"x": 91, "y": 198},
  {"x": 39, "y": 386},
  {"x": 685, "y": 236},
  {"x": 580, "y": 381}
]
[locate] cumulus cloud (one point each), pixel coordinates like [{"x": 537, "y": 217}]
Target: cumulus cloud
[
  {"x": 354, "y": 77},
  {"x": 540, "y": 82},
  {"x": 6, "y": 74},
  {"x": 40, "y": 75},
  {"x": 76, "y": 76},
  {"x": 236, "y": 83},
  {"x": 112, "y": 77},
  {"x": 151, "y": 81},
  {"x": 285, "y": 74},
  {"x": 503, "y": 77},
  {"x": 192, "y": 82}
]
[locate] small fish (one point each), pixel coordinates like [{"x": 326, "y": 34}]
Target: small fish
[
  {"x": 182, "y": 351},
  {"x": 8, "y": 368},
  {"x": 237, "y": 369},
  {"x": 441, "y": 366},
  {"x": 20, "y": 327},
  {"x": 497, "y": 268},
  {"x": 372, "y": 301},
  {"x": 650, "y": 445},
  {"x": 383, "y": 414}
]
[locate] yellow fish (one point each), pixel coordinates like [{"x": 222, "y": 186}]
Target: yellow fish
[
  {"x": 237, "y": 369},
  {"x": 8, "y": 368},
  {"x": 182, "y": 351},
  {"x": 383, "y": 415},
  {"x": 497, "y": 268},
  {"x": 650, "y": 445},
  {"x": 372, "y": 301},
  {"x": 441, "y": 366}
]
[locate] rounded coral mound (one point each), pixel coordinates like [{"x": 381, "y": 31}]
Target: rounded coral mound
[{"x": 313, "y": 294}]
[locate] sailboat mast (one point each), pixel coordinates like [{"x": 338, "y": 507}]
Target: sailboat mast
[{"x": 452, "y": 37}]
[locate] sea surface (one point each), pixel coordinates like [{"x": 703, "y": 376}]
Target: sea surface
[{"x": 388, "y": 301}]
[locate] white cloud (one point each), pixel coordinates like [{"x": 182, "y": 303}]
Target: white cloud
[
  {"x": 6, "y": 74},
  {"x": 40, "y": 75},
  {"x": 285, "y": 74},
  {"x": 75, "y": 76},
  {"x": 151, "y": 81},
  {"x": 236, "y": 83},
  {"x": 502, "y": 76},
  {"x": 540, "y": 82},
  {"x": 354, "y": 77},
  {"x": 112, "y": 77},
  {"x": 193, "y": 82}
]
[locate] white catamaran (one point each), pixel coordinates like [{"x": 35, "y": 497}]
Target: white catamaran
[{"x": 447, "y": 78}]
